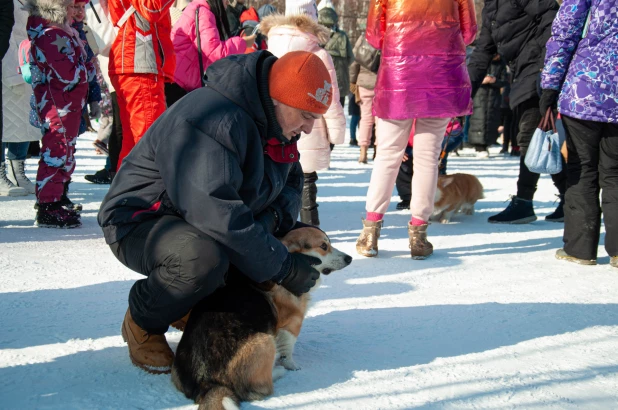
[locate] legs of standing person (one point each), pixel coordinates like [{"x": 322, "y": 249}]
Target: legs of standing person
[
  {"x": 428, "y": 141},
  {"x": 309, "y": 212},
  {"x": 403, "y": 183},
  {"x": 608, "y": 179},
  {"x": 593, "y": 165},
  {"x": 57, "y": 154},
  {"x": 393, "y": 135},
  {"x": 354, "y": 121},
  {"x": 141, "y": 100},
  {"x": 366, "y": 122},
  {"x": 182, "y": 265},
  {"x": 115, "y": 139},
  {"x": 173, "y": 93}
]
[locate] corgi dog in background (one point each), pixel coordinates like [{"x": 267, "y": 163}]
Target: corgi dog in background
[{"x": 456, "y": 193}]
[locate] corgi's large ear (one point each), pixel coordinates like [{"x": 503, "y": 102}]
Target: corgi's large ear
[
  {"x": 293, "y": 247},
  {"x": 446, "y": 181}
]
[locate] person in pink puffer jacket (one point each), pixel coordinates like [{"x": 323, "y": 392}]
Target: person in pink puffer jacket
[
  {"x": 422, "y": 76},
  {"x": 215, "y": 42},
  {"x": 303, "y": 33}
]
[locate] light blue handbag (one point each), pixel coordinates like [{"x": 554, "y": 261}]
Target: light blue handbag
[{"x": 543, "y": 156}]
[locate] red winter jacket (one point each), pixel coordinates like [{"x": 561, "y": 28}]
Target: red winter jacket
[{"x": 143, "y": 43}]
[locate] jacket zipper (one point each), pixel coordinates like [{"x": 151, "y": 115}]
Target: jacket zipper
[{"x": 161, "y": 51}]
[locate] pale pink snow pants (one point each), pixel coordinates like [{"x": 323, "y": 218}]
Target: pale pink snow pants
[
  {"x": 367, "y": 120},
  {"x": 393, "y": 136}
]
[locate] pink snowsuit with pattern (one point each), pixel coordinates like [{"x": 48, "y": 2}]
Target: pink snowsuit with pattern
[{"x": 60, "y": 83}]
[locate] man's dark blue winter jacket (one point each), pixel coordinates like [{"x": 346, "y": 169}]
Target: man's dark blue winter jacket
[{"x": 203, "y": 160}]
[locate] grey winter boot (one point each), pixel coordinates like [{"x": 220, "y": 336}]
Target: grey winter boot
[
  {"x": 420, "y": 247},
  {"x": 367, "y": 243},
  {"x": 17, "y": 175},
  {"x": 7, "y": 188}
]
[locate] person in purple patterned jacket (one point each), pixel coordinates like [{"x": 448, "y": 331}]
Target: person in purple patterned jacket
[{"x": 581, "y": 76}]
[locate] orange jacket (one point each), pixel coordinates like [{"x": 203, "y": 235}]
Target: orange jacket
[{"x": 143, "y": 43}]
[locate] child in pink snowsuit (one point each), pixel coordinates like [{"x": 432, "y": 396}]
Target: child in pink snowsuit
[{"x": 60, "y": 82}]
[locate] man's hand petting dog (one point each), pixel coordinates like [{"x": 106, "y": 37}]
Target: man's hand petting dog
[{"x": 301, "y": 276}]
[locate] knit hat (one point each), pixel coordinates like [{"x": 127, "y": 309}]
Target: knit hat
[
  {"x": 301, "y": 80},
  {"x": 301, "y": 7}
]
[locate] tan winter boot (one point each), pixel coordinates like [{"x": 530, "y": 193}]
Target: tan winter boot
[
  {"x": 614, "y": 261},
  {"x": 420, "y": 247},
  {"x": 180, "y": 324},
  {"x": 363, "y": 154},
  {"x": 148, "y": 352},
  {"x": 367, "y": 243}
]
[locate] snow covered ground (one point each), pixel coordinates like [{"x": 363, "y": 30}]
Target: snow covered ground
[{"x": 491, "y": 321}]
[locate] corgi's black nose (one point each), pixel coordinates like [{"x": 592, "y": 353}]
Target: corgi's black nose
[{"x": 348, "y": 259}]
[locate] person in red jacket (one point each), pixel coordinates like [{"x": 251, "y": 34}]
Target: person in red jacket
[{"x": 141, "y": 60}]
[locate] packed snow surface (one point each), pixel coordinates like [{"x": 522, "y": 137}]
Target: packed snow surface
[{"x": 491, "y": 321}]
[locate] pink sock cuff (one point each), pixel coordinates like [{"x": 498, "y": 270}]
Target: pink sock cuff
[
  {"x": 417, "y": 222},
  {"x": 374, "y": 217}
]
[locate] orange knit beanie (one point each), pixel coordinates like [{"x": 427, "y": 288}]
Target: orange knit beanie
[{"x": 301, "y": 80}]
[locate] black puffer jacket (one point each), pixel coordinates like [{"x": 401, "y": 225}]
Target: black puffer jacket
[
  {"x": 204, "y": 161},
  {"x": 517, "y": 30},
  {"x": 486, "y": 119},
  {"x": 7, "y": 20}
]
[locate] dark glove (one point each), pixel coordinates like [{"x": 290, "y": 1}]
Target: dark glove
[
  {"x": 269, "y": 219},
  {"x": 301, "y": 276},
  {"x": 549, "y": 98}
]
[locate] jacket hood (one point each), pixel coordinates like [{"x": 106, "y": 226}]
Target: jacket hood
[
  {"x": 300, "y": 22},
  {"x": 243, "y": 79},
  {"x": 266, "y": 10},
  {"x": 249, "y": 14},
  {"x": 54, "y": 11},
  {"x": 328, "y": 17}
]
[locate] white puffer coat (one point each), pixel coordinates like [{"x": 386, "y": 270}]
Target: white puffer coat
[
  {"x": 15, "y": 91},
  {"x": 300, "y": 33}
]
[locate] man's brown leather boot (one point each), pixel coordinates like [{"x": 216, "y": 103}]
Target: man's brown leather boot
[
  {"x": 149, "y": 352},
  {"x": 180, "y": 324}
]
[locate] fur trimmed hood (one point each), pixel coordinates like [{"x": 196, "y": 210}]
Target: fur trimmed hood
[
  {"x": 301, "y": 22},
  {"x": 54, "y": 11}
]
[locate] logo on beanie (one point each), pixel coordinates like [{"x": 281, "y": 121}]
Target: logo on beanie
[{"x": 321, "y": 94}]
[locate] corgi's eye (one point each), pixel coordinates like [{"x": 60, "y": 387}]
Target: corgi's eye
[{"x": 324, "y": 246}]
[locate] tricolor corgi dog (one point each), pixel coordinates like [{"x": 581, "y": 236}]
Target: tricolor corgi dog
[
  {"x": 241, "y": 338},
  {"x": 456, "y": 192}
]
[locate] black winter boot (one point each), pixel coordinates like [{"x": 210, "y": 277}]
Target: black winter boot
[
  {"x": 519, "y": 211},
  {"x": 102, "y": 176},
  {"x": 558, "y": 214},
  {"x": 54, "y": 215},
  {"x": 309, "y": 211},
  {"x": 66, "y": 202}
]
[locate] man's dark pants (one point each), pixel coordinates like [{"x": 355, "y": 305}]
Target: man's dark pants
[
  {"x": 593, "y": 165},
  {"x": 182, "y": 265},
  {"x": 527, "y": 117}
]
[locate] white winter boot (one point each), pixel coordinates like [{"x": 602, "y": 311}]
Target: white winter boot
[
  {"x": 6, "y": 187},
  {"x": 17, "y": 175}
]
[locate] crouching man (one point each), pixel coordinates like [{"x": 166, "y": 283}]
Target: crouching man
[{"x": 211, "y": 183}]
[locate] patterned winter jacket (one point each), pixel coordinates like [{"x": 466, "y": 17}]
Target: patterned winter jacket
[
  {"x": 59, "y": 73},
  {"x": 143, "y": 44},
  {"x": 585, "y": 67}
]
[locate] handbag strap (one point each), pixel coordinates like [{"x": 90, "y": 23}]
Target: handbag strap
[{"x": 199, "y": 45}]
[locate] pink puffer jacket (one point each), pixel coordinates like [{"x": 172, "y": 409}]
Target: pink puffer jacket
[
  {"x": 187, "y": 74},
  {"x": 423, "y": 70},
  {"x": 294, "y": 33}
]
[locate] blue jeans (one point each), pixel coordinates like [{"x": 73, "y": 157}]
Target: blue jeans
[
  {"x": 17, "y": 150},
  {"x": 354, "y": 121}
]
